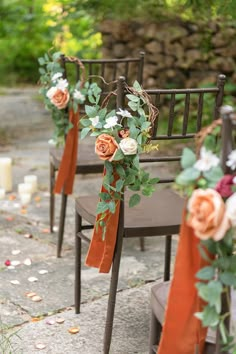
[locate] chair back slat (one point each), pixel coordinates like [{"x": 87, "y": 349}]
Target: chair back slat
[
  {"x": 171, "y": 114},
  {"x": 104, "y": 72},
  {"x": 199, "y": 111},
  {"x": 182, "y": 113},
  {"x": 186, "y": 114}
]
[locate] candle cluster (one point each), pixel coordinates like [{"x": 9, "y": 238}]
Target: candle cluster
[{"x": 25, "y": 190}]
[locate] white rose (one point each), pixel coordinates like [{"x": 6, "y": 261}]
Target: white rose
[
  {"x": 94, "y": 121},
  {"x": 207, "y": 160},
  {"x": 111, "y": 122},
  {"x": 231, "y": 209},
  {"x": 78, "y": 95},
  {"x": 56, "y": 76},
  {"x": 128, "y": 146}
]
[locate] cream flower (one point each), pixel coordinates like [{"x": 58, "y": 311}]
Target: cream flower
[
  {"x": 124, "y": 113},
  {"x": 232, "y": 160},
  {"x": 129, "y": 146},
  {"x": 111, "y": 122},
  {"x": 56, "y": 76},
  {"x": 231, "y": 209},
  {"x": 207, "y": 160},
  {"x": 78, "y": 95},
  {"x": 62, "y": 84},
  {"x": 94, "y": 121}
]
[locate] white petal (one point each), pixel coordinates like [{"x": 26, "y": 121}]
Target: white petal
[
  {"x": 43, "y": 271},
  {"x": 15, "y": 282},
  {"x": 32, "y": 279}
]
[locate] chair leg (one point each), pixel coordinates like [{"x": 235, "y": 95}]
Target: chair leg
[
  {"x": 155, "y": 333},
  {"x": 52, "y": 197},
  {"x": 142, "y": 244},
  {"x": 78, "y": 223},
  {"x": 168, "y": 241},
  {"x": 112, "y": 292},
  {"x": 61, "y": 223}
]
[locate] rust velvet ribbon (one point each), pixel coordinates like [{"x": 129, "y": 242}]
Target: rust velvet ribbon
[
  {"x": 66, "y": 172},
  {"x": 100, "y": 253},
  {"x": 182, "y": 331}
]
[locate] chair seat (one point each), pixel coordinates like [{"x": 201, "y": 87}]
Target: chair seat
[
  {"x": 153, "y": 216},
  {"x": 159, "y": 295},
  {"x": 87, "y": 160}
]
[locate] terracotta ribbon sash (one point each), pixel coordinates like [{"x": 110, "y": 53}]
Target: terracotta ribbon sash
[
  {"x": 66, "y": 173},
  {"x": 182, "y": 331},
  {"x": 100, "y": 253}
]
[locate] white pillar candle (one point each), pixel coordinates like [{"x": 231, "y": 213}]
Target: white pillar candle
[
  {"x": 24, "y": 188},
  {"x": 33, "y": 180},
  {"x": 25, "y": 198},
  {"x": 2, "y": 193},
  {"x": 6, "y": 173}
]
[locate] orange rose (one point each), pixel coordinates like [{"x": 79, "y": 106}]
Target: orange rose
[
  {"x": 106, "y": 147},
  {"x": 58, "y": 97},
  {"x": 207, "y": 214}
]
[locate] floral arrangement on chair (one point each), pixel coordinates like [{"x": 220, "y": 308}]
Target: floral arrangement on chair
[
  {"x": 59, "y": 95},
  {"x": 121, "y": 136},
  {"x": 211, "y": 212}
]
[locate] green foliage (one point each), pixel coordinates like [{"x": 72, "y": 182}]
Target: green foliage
[
  {"x": 121, "y": 137},
  {"x": 217, "y": 278},
  {"x": 29, "y": 29}
]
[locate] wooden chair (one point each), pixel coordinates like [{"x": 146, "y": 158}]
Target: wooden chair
[
  {"x": 159, "y": 292},
  {"x": 160, "y": 214},
  {"x": 104, "y": 72}
]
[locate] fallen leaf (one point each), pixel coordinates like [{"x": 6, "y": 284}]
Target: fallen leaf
[
  {"x": 43, "y": 271},
  {"x": 37, "y": 198},
  {"x": 15, "y": 263},
  {"x": 32, "y": 279},
  {"x": 9, "y": 218},
  {"x": 7, "y": 262},
  {"x": 74, "y": 330},
  {"x": 45, "y": 231},
  {"x": 60, "y": 320},
  {"x": 27, "y": 261},
  {"x": 35, "y": 319},
  {"x": 15, "y": 282},
  {"x": 28, "y": 235},
  {"x": 50, "y": 322},
  {"x": 40, "y": 346},
  {"x": 30, "y": 294},
  {"x": 15, "y": 252},
  {"x": 36, "y": 298},
  {"x": 12, "y": 197}
]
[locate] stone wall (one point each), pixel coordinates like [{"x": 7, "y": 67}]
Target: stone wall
[{"x": 178, "y": 53}]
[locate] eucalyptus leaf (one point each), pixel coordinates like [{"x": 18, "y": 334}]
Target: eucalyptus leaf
[
  {"x": 188, "y": 158},
  {"x": 206, "y": 273},
  {"x": 134, "y": 200},
  {"x": 187, "y": 176},
  {"x": 84, "y": 132},
  {"x": 214, "y": 174},
  {"x": 102, "y": 207}
]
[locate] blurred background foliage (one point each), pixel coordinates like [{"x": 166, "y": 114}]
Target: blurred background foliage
[{"x": 29, "y": 28}]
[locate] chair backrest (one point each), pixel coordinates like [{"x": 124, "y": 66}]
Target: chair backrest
[
  {"x": 104, "y": 72},
  {"x": 182, "y": 113}
]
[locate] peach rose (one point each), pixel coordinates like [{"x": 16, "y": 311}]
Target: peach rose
[
  {"x": 58, "y": 97},
  {"x": 207, "y": 214},
  {"x": 106, "y": 147}
]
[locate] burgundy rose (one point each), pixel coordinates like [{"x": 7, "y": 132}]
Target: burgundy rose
[{"x": 224, "y": 186}]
